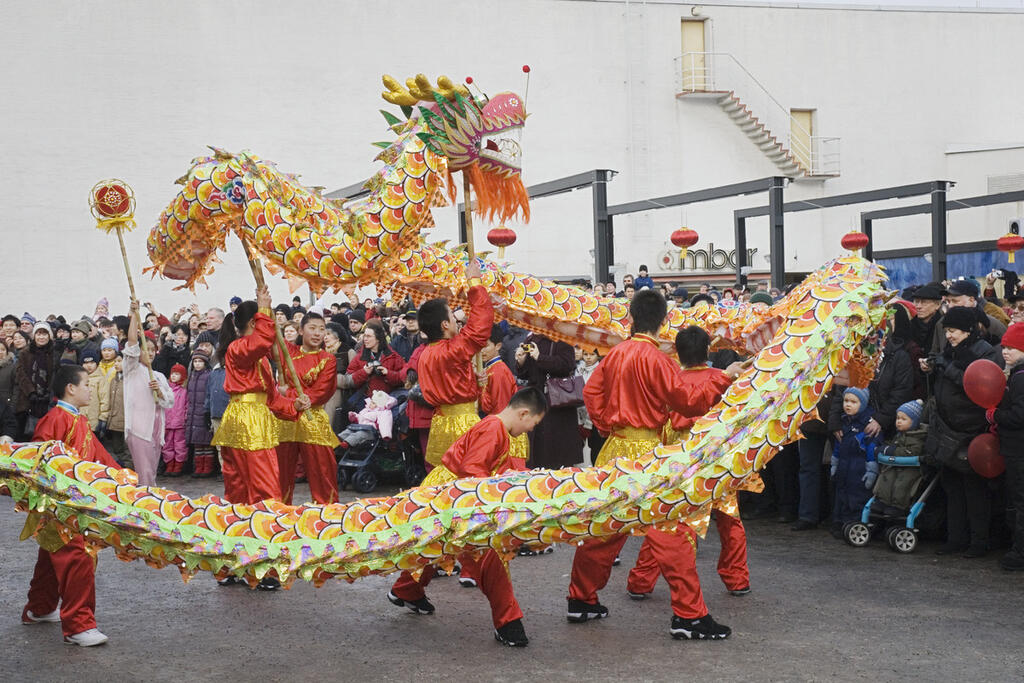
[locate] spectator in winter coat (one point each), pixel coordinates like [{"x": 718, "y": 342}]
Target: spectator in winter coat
[
  {"x": 6, "y": 376},
  {"x": 406, "y": 341},
  {"x": 33, "y": 378},
  {"x": 897, "y": 485},
  {"x": 175, "y": 450},
  {"x": 853, "y": 465},
  {"x": 377, "y": 367},
  {"x": 175, "y": 351},
  {"x": 955, "y": 421},
  {"x": 80, "y": 331},
  {"x": 114, "y": 439},
  {"x": 216, "y": 398},
  {"x": 556, "y": 441},
  {"x": 928, "y": 304},
  {"x": 966, "y": 293},
  {"x": 98, "y": 410},
  {"x": 1009, "y": 420},
  {"x": 893, "y": 384},
  {"x": 197, "y": 430}
]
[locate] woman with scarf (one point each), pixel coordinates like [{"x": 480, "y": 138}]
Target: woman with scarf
[{"x": 33, "y": 376}]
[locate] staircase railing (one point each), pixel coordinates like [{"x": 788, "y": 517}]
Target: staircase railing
[{"x": 721, "y": 73}]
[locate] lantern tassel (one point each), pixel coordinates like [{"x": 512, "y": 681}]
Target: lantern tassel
[
  {"x": 1011, "y": 257},
  {"x": 501, "y": 254}
]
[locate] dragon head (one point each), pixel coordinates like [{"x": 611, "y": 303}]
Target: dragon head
[{"x": 478, "y": 135}]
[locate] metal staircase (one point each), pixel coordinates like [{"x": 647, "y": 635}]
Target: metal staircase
[{"x": 720, "y": 76}]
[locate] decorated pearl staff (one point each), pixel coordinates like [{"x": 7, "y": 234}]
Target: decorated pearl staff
[
  {"x": 257, "y": 272},
  {"x": 112, "y": 203}
]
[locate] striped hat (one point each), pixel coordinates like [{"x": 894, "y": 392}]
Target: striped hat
[
  {"x": 912, "y": 409},
  {"x": 862, "y": 396}
]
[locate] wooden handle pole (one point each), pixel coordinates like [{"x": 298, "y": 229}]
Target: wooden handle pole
[
  {"x": 143, "y": 350},
  {"x": 257, "y": 273},
  {"x": 467, "y": 196}
]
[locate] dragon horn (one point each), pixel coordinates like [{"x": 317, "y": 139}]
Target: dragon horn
[{"x": 396, "y": 94}]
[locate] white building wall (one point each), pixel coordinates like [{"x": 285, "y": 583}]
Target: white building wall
[{"x": 138, "y": 89}]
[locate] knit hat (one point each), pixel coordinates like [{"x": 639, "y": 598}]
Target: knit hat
[
  {"x": 862, "y": 396},
  {"x": 761, "y": 298},
  {"x": 912, "y": 409},
  {"x": 910, "y": 308},
  {"x": 961, "y": 318},
  {"x": 82, "y": 326},
  {"x": 42, "y": 325},
  {"x": 109, "y": 343},
  {"x": 28, "y": 318},
  {"x": 283, "y": 308},
  {"x": 1013, "y": 338},
  {"x": 151, "y": 335},
  {"x": 208, "y": 337},
  {"x": 89, "y": 357},
  {"x": 235, "y": 300},
  {"x": 178, "y": 368},
  {"x": 201, "y": 353},
  {"x": 357, "y": 315},
  {"x": 680, "y": 293}
]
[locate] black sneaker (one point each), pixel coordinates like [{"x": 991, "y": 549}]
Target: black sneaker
[
  {"x": 512, "y": 634},
  {"x": 467, "y": 582},
  {"x": 704, "y": 628},
  {"x": 637, "y": 596},
  {"x": 268, "y": 583},
  {"x": 229, "y": 581},
  {"x": 421, "y": 606},
  {"x": 739, "y": 591},
  {"x": 617, "y": 561},
  {"x": 804, "y": 525},
  {"x": 580, "y": 611}
]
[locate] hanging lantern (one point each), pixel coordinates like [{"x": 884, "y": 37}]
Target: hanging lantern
[
  {"x": 855, "y": 241},
  {"x": 1010, "y": 243},
  {"x": 501, "y": 237},
  {"x": 684, "y": 238}
]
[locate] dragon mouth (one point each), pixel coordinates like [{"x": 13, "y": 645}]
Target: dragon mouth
[{"x": 503, "y": 148}]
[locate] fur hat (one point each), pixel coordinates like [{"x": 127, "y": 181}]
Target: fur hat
[
  {"x": 110, "y": 343},
  {"x": 961, "y": 318},
  {"x": 912, "y": 409},
  {"x": 1014, "y": 337},
  {"x": 862, "y": 396},
  {"x": 42, "y": 325}
]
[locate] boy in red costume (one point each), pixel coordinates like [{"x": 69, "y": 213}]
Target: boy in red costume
[
  {"x": 692, "y": 346},
  {"x": 445, "y": 368},
  {"x": 483, "y": 451},
  {"x": 629, "y": 397},
  {"x": 497, "y": 388},
  {"x": 68, "y": 574},
  {"x": 311, "y": 437}
]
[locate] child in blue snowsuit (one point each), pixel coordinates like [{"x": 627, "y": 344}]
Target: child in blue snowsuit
[{"x": 854, "y": 467}]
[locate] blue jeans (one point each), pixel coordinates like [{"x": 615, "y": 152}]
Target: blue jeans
[{"x": 811, "y": 450}]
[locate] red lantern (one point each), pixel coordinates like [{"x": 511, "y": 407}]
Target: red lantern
[
  {"x": 984, "y": 383},
  {"x": 684, "y": 238},
  {"x": 984, "y": 457},
  {"x": 1010, "y": 243},
  {"x": 855, "y": 241},
  {"x": 501, "y": 237}
]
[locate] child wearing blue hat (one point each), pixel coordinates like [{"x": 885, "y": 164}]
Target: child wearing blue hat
[
  {"x": 897, "y": 484},
  {"x": 854, "y": 467}
]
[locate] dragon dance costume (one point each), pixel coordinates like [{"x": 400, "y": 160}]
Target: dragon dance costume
[
  {"x": 248, "y": 433},
  {"x": 64, "y": 571},
  {"x": 447, "y": 379},
  {"x": 501, "y": 386},
  {"x": 310, "y": 437},
  {"x": 483, "y": 451},
  {"x": 732, "y": 559},
  {"x": 629, "y": 397}
]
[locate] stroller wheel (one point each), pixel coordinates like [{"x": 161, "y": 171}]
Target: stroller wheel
[
  {"x": 414, "y": 474},
  {"x": 364, "y": 480},
  {"x": 902, "y": 540},
  {"x": 342, "y": 479},
  {"x": 857, "y": 533}
]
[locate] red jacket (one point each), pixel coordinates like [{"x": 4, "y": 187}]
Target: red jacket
[
  {"x": 395, "y": 365},
  {"x": 61, "y": 424}
]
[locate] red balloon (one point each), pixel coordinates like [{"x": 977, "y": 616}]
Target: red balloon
[
  {"x": 984, "y": 457},
  {"x": 985, "y": 383}
]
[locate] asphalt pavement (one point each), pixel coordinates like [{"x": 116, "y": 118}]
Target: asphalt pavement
[{"x": 819, "y": 611}]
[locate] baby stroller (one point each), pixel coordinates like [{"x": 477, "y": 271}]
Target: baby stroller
[
  {"x": 365, "y": 457},
  {"x": 901, "y": 481}
]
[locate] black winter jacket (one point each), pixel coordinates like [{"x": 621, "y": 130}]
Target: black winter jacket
[
  {"x": 1009, "y": 415},
  {"x": 892, "y": 386},
  {"x": 958, "y": 411}
]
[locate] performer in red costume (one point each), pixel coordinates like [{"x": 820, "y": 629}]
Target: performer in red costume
[
  {"x": 483, "y": 451},
  {"x": 248, "y": 432},
  {"x": 692, "y": 344},
  {"x": 65, "y": 572},
  {"x": 445, "y": 368},
  {"x": 629, "y": 397},
  {"x": 311, "y": 437}
]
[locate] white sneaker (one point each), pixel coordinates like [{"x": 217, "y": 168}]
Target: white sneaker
[
  {"x": 31, "y": 618},
  {"x": 86, "y": 638}
]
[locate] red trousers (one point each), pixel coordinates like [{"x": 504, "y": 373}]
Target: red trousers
[
  {"x": 732, "y": 559},
  {"x": 68, "y": 576},
  {"x": 250, "y": 476},
  {"x": 492, "y": 578},
  {"x": 673, "y": 555},
  {"x": 321, "y": 471}
]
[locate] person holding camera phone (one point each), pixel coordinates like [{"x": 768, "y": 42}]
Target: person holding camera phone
[{"x": 378, "y": 367}]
